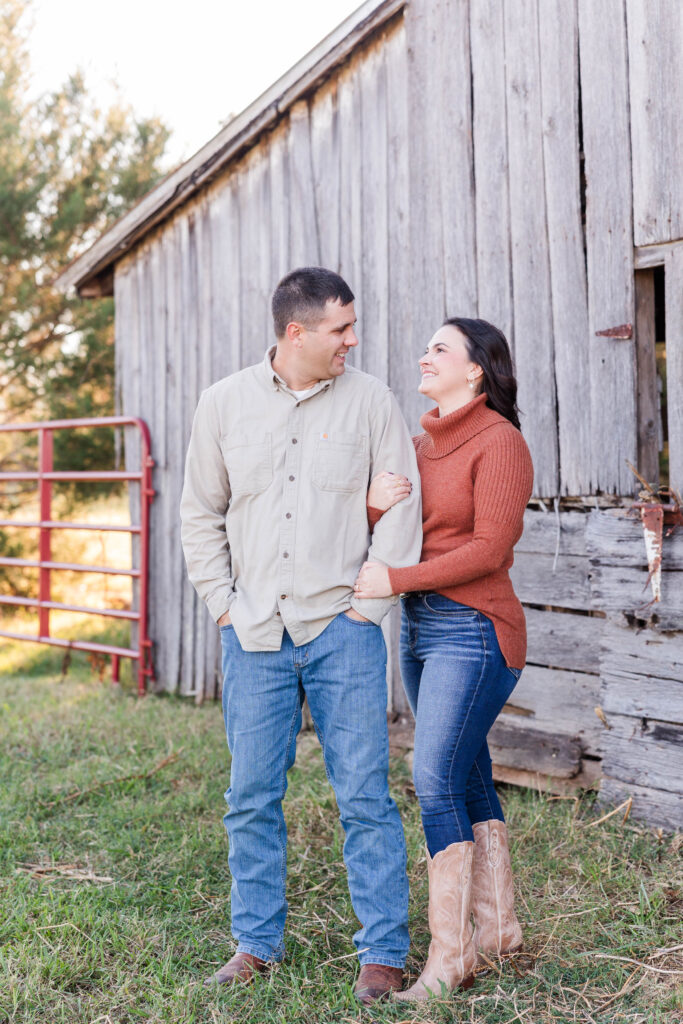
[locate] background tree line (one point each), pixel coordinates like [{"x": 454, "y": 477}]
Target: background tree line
[{"x": 68, "y": 169}]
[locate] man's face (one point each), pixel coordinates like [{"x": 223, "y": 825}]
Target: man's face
[{"x": 324, "y": 348}]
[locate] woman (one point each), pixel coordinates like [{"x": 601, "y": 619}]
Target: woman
[{"x": 463, "y": 637}]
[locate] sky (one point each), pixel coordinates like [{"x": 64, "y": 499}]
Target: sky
[{"x": 194, "y": 64}]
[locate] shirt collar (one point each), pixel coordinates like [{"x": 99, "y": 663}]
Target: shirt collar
[{"x": 278, "y": 384}]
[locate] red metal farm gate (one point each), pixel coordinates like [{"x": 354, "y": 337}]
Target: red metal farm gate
[{"x": 45, "y": 476}]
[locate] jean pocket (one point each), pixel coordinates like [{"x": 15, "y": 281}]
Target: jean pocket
[
  {"x": 516, "y": 672},
  {"x": 357, "y": 622},
  {"x": 440, "y": 605}
]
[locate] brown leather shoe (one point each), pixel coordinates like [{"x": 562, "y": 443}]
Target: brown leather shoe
[
  {"x": 242, "y": 967},
  {"x": 376, "y": 981}
]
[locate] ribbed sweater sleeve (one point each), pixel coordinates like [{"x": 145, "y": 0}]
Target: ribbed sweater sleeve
[
  {"x": 502, "y": 487},
  {"x": 374, "y": 516}
]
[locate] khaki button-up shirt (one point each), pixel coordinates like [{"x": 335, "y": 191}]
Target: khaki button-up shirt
[{"x": 274, "y": 521}]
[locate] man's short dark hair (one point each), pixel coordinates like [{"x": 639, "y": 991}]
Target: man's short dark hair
[{"x": 303, "y": 294}]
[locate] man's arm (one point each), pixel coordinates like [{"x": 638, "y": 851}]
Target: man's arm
[
  {"x": 206, "y": 493},
  {"x": 397, "y": 536}
]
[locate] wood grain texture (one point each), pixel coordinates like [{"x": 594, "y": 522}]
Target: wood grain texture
[
  {"x": 547, "y": 532},
  {"x": 537, "y": 580},
  {"x": 373, "y": 353},
  {"x": 558, "y": 701},
  {"x": 513, "y": 745},
  {"x": 644, "y": 752},
  {"x": 423, "y": 25},
  {"x": 674, "y": 360},
  {"x": 655, "y": 45},
  {"x": 532, "y": 300},
  {"x": 560, "y": 640},
  {"x": 325, "y": 161},
  {"x": 616, "y": 538},
  {"x": 609, "y": 241},
  {"x": 492, "y": 199},
  {"x": 658, "y": 807},
  {"x": 351, "y": 191},
  {"x": 558, "y": 33},
  {"x": 453, "y": 102}
]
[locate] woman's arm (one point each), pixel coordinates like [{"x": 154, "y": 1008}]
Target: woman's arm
[
  {"x": 386, "y": 489},
  {"x": 502, "y": 488}
]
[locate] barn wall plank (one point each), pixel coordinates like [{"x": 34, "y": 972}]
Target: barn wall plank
[
  {"x": 562, "y": 640},
  {"x": 456, "y": 160},
  {"x": 674, "y": 359},
  {"x": 351, "y": 192},
  {"x": 489, "y": 128},
  {"x": 634, "y": 653},
  {"x": 373, "y": 354},
  {"x": 324, "y": 128},
  {"x": 609, "y": 241},
  {"x": 532, "y": 301},
  {"x": 560, "y": 702},
  {"x": 304, "y": 238},
  {"x": 558, "y": 31},
  {"x": 537, "y": 580},
  {"x": 188, "y": 316},
  {"x": 404, "y": 319},
  {"x": 254, "y": 206},
  {"x": 280, "y": 208},
  {"x": 655, "y": 44},
  {"x": 225, "y": 282},
  {"x": 173, "y": 633},
  {"x": 616, "y": 538},
  {"x": 423, "y": 24},
  {"x": 655, "y": 806},
  {"x": 515, "y": 745},
  {"x": 645, "y": 752},
  {"x": 545, "y": 533}
]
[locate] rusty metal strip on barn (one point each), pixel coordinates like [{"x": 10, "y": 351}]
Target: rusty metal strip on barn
[{"x": 45, "y": 477}]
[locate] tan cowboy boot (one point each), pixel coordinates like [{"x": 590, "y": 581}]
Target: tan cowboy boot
[
  {"x": 497, "y": 930},
  {"x": 452, "y": 955}
]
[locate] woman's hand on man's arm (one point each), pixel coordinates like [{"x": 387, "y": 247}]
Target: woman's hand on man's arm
[{"x": 387, "y": 489}]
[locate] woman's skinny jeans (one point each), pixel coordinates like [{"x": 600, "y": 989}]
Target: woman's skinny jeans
[{"x": 457, "y": 682}]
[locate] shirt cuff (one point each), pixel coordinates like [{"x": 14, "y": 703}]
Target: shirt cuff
[
  {"x": 219, "y": 602},
  {"x": 373, "y": 608}
]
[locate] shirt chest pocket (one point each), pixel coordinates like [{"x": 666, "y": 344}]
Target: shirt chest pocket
[
  {"x": 341, "y": 462},
  {"x": 249, "y": 463}
]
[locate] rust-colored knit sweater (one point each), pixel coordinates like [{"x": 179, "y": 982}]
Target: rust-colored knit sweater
[{"x": 477, "y": 477}]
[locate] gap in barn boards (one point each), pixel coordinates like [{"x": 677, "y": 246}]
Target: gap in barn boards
[{"x": 650, "y": 326}]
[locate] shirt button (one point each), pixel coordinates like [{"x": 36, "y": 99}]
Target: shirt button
[
  {"x": 288, "y": 516},
  {"x": 285, "y": 554},
  {"x": 277, "y": 613},
  {"x": 294, "y": 441},
  {"x": 291, "y": 478},
  {"x": 283, "y": 597}
]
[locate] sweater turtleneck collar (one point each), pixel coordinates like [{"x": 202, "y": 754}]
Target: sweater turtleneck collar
[{"x": 446, "y": 433}]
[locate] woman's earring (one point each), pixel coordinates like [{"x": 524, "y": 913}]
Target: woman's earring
[{"x": 471, "y": 384}]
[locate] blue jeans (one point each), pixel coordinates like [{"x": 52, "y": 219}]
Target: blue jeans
[
  {"x": 457, "y": 682},
  {"x": 343, "y": 675}
]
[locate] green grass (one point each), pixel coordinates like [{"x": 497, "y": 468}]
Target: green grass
[{"x": 142, "y": 917}]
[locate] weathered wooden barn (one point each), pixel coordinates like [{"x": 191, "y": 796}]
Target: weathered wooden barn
[{"x": 519, "y": 160}]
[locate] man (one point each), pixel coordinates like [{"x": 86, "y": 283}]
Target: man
[{"x": 274, "y": 531}]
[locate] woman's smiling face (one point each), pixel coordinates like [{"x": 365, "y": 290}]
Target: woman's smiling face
[{"x": 446, "y": 366}]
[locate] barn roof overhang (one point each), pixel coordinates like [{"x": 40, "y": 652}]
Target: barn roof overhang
[{"x": 92, "y": 273}]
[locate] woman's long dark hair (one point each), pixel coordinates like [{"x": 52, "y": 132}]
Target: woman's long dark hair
[{"x": 488, "y": 348}]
